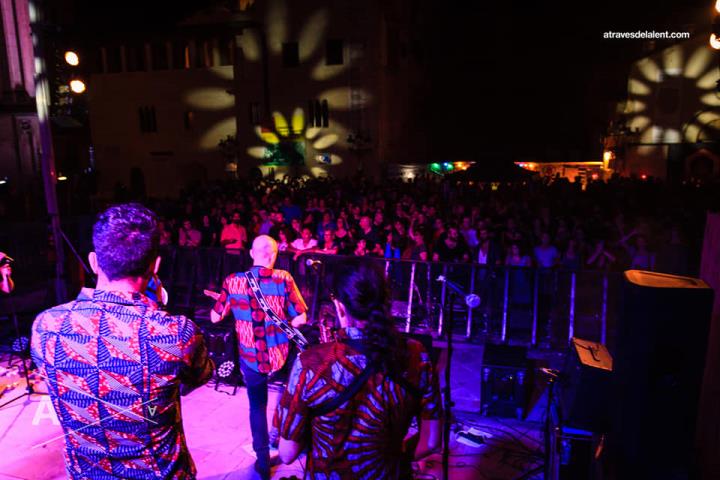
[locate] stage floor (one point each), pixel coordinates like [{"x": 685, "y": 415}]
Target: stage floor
[{"x": 218, "y": 436}]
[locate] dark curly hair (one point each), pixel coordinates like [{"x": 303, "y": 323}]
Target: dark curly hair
[
  {"x": 126, "y": 240},
  {"x": 363, "y": 291}
]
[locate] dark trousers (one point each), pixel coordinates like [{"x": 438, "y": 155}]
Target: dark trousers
[{"x": 257, "y": 389}]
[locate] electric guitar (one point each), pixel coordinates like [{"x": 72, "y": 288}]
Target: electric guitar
[{"x": 291, "y": 332}]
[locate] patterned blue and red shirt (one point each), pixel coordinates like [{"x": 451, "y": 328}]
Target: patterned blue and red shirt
[
  {"x": 114, "y": 364},
  {"x": 263, "y": 347},
  {"x": 363, "y": 438}
]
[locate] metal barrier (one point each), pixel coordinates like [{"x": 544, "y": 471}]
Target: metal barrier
[
  {"x": 518, "y": 304},
  {"x": 543, "y": 307}
]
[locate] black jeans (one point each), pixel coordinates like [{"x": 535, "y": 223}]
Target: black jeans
[{"x": 257, "y": 389}]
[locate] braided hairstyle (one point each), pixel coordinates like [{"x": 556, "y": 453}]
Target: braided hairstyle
[{"x": 363, "y": 291}]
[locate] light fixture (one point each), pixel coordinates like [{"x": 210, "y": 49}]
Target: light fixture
[
  {"x": 717, "y": 6},
  {"x": 61, "y": 178},
  {"x": 72, "y": 58},
  {"x": 20, "y": 344},
  {"x": 77, "y": 86},
  {"x": 714, "y": 42},
  {"x": 225, "y": 369}
]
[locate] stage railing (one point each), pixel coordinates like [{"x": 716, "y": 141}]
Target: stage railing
[{"x": 533, "y": 306}]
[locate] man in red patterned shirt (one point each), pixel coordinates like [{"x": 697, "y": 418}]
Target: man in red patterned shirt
[
  {"x": 114, "y": 362},
  {"x": 352, "y": 401},
  {"x": 263, "y": 347}
]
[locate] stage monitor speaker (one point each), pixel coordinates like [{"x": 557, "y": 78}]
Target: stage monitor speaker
[
  {"x": 222, "y": 348},
  {"x": 661, "y": 345},
  {"x": 505, "y": 385},
  {"x": 585, "y": 386}
]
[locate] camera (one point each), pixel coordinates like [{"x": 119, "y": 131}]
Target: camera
[{"x": 6, "y": 261}]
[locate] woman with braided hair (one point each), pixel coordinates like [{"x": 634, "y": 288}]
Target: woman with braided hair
[{"x": 350, "y": 402}]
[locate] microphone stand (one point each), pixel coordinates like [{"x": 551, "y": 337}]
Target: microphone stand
[
  {"x": 24, "y": 346},
  {"x": 317, "y": 270},
  {"x": 448, "y": 314},
  {"x": 472, "y": 301}
]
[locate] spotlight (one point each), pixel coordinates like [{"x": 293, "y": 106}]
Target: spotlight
[
  {"x": 717, "y": 6},
  {"x": 20, "y": 344},
  {"x": 61, "y": 178},
  {"x": 226, "y": 369},
  {"x": 72, "y": 58},
  {"x": 77, "y": 86}
]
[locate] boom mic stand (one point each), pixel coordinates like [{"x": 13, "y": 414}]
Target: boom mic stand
[
  {"x": 472, "y": 301},
  {"x": 23, "y": 346}
]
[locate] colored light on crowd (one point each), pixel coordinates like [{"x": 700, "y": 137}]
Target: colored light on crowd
[{"x": 447, "y": 167}]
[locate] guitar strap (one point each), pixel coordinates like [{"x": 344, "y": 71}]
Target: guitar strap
[{"x": 292, "y": 333}]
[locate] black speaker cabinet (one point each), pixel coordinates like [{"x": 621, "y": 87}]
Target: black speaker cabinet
[
  {"x": 222, "y": 348},
  {"x": 505, "y": 383},
  {"x": 659, "y": 363},
  {"x": 585, "y": 387}
]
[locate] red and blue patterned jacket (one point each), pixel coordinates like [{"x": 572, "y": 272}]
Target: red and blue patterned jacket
[{"x": 114, "y": 364}]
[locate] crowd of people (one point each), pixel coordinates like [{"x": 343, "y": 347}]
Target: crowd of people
[{"x": 614, "y": 225}]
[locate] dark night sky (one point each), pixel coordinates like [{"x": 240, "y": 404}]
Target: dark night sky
[
  {"x": 533, "y": 77},
  {"x": 516, "y": 77}
]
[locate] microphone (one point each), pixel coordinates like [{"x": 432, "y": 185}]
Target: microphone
[
  {"x": 471, "y": 300},
  {"x": 314, "y": 263}
]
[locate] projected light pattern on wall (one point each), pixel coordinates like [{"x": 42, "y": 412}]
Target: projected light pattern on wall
[
  {"x": 672, "y": 95},
  {"x": 285, "y": 143}
]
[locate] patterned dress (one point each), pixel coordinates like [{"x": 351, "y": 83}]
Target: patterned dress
[
  {"x": 263, "y": 347},
  {"x": 363, "y": 438},
  {"x": 114, "y": 364}
]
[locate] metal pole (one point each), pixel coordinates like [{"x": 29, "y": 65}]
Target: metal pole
[
  {"x": 47, "y": 154},
  {"x": 571, "y": 321},
  {"x": 506, "y": 293},
  {"x": 428, "y": 294},
  {"x": 603, "y": 314},
  {"x": 536, "y": 287},
  {"x": 468, "y": 329},
  {"x": 408, "y": 315},
  {"x": 442, "y": 303}
]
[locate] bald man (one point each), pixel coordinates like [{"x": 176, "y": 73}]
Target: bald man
[{"x": 263, "y": 347}]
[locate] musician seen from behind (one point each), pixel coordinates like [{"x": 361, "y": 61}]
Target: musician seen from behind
[
  {"x": 351, "y": 402},
  {"x": 6, "y": 282},
  {"x": 263, "y": 347},
  {"x": 115, "y": 363}
]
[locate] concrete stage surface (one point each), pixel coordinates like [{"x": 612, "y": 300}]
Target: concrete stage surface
[{"x": 218, "y": 435}]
